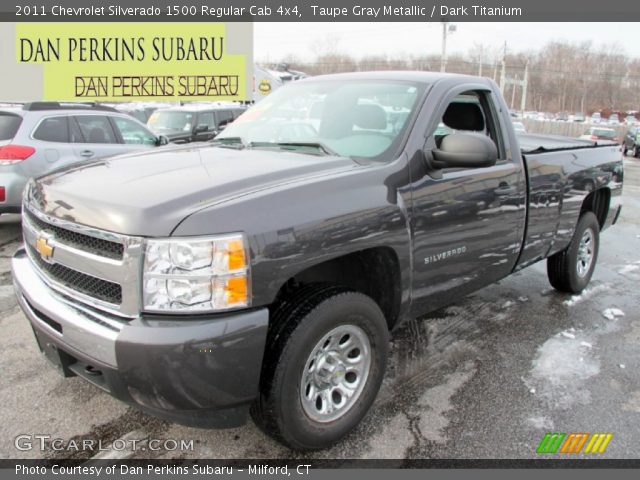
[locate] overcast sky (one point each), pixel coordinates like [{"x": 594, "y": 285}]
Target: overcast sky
[{"x": 273, "y": 41}]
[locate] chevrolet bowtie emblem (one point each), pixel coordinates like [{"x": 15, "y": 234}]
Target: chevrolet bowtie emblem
[{"x": 44, "y": 248}]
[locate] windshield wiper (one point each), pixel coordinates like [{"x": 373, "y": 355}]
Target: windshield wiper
[
  {"x": 295, "y": 146},
  {"x": 233, "y": 142}
]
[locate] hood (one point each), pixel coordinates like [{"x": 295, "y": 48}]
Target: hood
[{"x": 148, "y": 194}]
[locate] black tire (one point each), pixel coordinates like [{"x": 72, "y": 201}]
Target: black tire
[
  {"x": 297, "y": 325},
  {"x": 563, "y": 267},
  {"x": 635, "y": 152}
]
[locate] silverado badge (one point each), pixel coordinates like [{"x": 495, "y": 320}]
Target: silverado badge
[{"x": 44, "y": 247}]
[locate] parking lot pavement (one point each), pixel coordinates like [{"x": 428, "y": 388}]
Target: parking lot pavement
[{"x": 483, "y": 378}]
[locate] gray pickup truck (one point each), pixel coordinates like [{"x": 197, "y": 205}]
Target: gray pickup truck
[{"x": 264, "y": 271}]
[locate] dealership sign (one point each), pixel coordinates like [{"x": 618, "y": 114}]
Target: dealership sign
[{"x": 127, "y": 61}]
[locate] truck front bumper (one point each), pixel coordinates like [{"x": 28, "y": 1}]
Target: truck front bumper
[{"x": 197, "y": 371}]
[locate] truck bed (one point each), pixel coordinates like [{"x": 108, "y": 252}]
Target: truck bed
[
  {"x": 536, "y": 143},
  {"x": 561, "y": 172}
]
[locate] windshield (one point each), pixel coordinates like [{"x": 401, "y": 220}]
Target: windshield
[
  {"x": 599, "y": 132},
  {"x": 171, "y": 120},
  {"x": 349, "y": 118}
]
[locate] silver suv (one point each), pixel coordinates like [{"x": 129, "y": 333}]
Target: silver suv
[{"x": 42, "y": 136}]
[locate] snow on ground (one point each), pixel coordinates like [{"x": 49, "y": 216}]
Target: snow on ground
[
  {"x": 561, "y": 368},
  {"x": 587, "y": 293},
  {"x": 612, "y": 313}
]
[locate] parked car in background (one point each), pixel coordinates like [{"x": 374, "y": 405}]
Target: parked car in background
[
  {"x": 614, "y": 119},
  {"x": 596, "y": 118},
  {"x": 139, "y": 111},
  {"x": 631, "y": 142},
  {"x": 42, "y": 136},
  {"x": 600, "y": 133},
  {"x": 562, "y": 117},
  {"x": 631, "y": 120},
  {"x": 194, "y": 122},
  {"x": 579, "y": 117},
  {"x": 519, "y": 127}
]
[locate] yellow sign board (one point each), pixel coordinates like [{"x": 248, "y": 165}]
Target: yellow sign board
[{"x": 133, "y": 61}]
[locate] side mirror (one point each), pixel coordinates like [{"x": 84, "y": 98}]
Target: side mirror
[
  {"x": 465, "y": 150},
  {"x": 201, "y": 129},
  {"x": 162, "y": 140}
]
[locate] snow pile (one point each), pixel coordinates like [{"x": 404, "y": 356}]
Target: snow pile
[
  {"x": 612, "y": 313},
  {"x": 586, "y": 293}
]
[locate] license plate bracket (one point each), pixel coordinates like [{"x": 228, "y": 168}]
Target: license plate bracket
[{"x": 58, "y": 359}]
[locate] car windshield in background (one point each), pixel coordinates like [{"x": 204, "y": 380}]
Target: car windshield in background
[
  {"x": 171, "y": 120},
  {"x": 9, "y": 124},
  {"x": 604, "y": 133},
  {"x": 349, "y": 118}
]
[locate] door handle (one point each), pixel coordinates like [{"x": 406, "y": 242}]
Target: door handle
[
  {"x": 505, "y": 190},
  {"x": 86, "y": 153}
]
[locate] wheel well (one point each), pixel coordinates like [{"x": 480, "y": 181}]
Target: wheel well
[
  {"x": 598, "y": 203},
  {"x": 374, "y": 272}
]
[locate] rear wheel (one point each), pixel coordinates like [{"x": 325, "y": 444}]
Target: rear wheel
[
  {"x": 324, "y": 366},
  {"x": 571, "y": 270},
  {"x": 635, "y": 152}
]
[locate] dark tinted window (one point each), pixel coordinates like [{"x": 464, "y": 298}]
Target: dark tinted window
[
  {"x": 55, "y": 129},
  {"x": 224, "y": 116},
  {"x": 206, "y": 118},
  {"x": 96, "y": 129},
  {"x": 75, "y": 135},
  {"x": 9, "y": 124}
]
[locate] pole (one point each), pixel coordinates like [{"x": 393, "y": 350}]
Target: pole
[
  {"x": 503, "y": 74},
  {"x": 513, "y": 91},
  {"x": 525, "y": 84},
  {"x": 480, "y": 64},
  {"x": 443, "y": 57}
]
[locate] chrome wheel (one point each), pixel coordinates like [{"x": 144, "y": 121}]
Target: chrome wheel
[
  {"x": 335, "y": 373},
  {"x": 585, "y": 253}
]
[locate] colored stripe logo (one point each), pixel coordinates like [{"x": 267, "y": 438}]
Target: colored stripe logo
[{"x": 554, "y": 442}]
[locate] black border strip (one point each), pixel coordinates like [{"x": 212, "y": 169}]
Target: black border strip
[{"x": 541, "y": 463}]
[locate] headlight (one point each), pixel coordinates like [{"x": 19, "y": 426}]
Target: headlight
[{"x": 196, "y": 274}]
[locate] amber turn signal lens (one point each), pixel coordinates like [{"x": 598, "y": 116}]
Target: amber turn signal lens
[
  {"x": 236, "y": 255},
  {"x": 237, "y": 290}
]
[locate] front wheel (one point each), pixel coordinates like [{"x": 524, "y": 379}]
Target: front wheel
[
  {"x": 324, "y": 368},
  {"x": 571, "y": 269}
]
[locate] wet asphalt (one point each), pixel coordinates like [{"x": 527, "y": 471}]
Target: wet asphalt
[{"x": 486, "y": 377}]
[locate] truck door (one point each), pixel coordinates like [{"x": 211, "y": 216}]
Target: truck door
[{"x": 468, "y": 224}]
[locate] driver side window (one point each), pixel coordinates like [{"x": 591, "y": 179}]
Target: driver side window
[{"x": 471, "y": 112}]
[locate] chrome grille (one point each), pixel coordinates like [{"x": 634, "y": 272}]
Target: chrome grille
[
  {"x": 97, "y": 246},
  {"x": 98, "y": 268},
  {"x": 94, "y": 287}
]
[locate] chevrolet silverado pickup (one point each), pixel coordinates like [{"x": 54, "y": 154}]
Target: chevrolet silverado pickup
[{"x": 263, "y": 272}]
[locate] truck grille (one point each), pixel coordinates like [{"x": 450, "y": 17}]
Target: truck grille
[
  {"x": 94, "y": 267},
  {"x": 97, "y": 246},
  {"x": 94, "y": 287}
]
